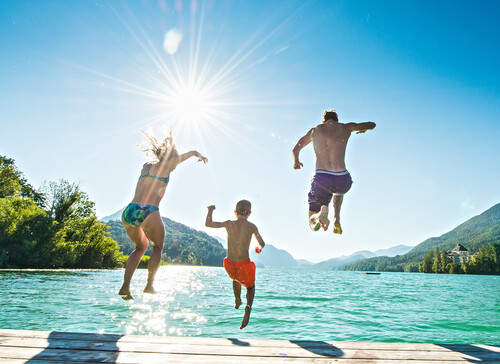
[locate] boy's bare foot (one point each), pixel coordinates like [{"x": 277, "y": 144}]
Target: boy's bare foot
[
  {"x": 237, "y": 303},
  {"x": 125, "y": 294},
  {"x": 323, "y": 217},
  {"x": 246, "y": 318},
  {"x": 337, "y": 229},
  {"x": 149, "y": 290}
]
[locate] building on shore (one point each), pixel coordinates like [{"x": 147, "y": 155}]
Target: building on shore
[{"x": 459, "y": 254}]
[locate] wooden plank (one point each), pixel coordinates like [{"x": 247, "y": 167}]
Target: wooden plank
[
  {"x": 75, "y": 356},
  {"x": 83, "y": 347},
  {"x": 101, "y": 351},
  {"x": 245, "y": 342}
]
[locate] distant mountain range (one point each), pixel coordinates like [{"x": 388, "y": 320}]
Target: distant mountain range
[
  {"x": 271, "y": 257},
  {"x": 476, "y": 232}
]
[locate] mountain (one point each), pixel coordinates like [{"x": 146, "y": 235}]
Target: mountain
[
  {"x": 182, "y": 244},
  {"x": 116, "y": 216},
  {"x": 334, "y": 263},
  {"x": 395, "y": 250},
  {"x": 273, "y": 257},
  {"x": 476, "y": 232}
]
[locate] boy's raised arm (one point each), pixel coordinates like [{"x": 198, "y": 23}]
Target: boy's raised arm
[{"x": 208, "y": 220}]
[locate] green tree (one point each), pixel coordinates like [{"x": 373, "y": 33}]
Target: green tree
[
  {"x": 445, "y": 260},
  {"x": 54, "y": 228},
  {"x": 436, "y": 266},
  {"x": 426, "y": 265},
  {"x": 13, "y": 183}
]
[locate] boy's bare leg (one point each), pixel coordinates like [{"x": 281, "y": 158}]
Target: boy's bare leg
[
  {"x": 319, "y": 219},
  {"x": 248, "y": 308},
  {"x": 337, "y": 203},
  {"x": 237, "y": 294}
]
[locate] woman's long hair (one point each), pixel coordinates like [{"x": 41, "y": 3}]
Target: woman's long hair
[{"x": 164, "y": 151}]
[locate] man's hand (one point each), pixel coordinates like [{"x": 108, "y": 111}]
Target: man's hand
[
  {"x": 297, "y": 165},
  {"x": 361, "y": 132},
  {"x": 211, "y": 207},
  {"x": 204, "y": 160}
]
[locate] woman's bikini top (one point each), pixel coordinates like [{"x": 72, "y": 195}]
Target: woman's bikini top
[{"x": 164, "y": 180}]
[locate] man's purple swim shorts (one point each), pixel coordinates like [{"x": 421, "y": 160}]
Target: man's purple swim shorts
[{"x": 324, "y": 185}]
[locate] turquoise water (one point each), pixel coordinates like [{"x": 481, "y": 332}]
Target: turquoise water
[{"x": 289, "y": 304}]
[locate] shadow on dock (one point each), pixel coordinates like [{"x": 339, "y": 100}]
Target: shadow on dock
[
  {"x": 479, "y": 353},
  {"x": 61, "y": 347},
  {"x": 319, "y": 348}
]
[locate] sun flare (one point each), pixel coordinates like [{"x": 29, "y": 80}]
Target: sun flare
[{"x": 190, "y": 105}]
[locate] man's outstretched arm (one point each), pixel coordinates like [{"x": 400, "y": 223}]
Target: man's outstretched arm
[
  {"x": 306, "y": 139},
  {"x": 361, "y": 127}
]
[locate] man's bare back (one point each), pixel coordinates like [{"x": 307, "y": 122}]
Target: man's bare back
[{"x": 330, "y": 142}]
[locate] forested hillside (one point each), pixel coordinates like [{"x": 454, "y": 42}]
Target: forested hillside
[
  {"x": 182, "y": 245},
  {"x": 473, "y": 234}
]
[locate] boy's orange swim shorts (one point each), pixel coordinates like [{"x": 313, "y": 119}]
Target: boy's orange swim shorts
[{"x": 242, "y": 271}]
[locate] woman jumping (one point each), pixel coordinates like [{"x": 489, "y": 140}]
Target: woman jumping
[{"x": 141, "y": 218}]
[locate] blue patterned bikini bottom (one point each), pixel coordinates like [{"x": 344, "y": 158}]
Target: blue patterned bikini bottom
[{"x": 135, "y": 214}]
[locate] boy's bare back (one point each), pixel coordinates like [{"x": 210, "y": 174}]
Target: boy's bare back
[{"x": 239, "y": 235}]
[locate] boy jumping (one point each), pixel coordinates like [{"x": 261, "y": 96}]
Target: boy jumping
[{"x": 237, "y": 263}]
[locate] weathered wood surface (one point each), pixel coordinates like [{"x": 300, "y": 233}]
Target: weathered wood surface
[{"x": 20, "y": 346}]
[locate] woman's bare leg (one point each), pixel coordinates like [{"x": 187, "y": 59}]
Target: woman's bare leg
[
  {"x": 138, "y": 237},
  {"x": 155, "y": 232}
]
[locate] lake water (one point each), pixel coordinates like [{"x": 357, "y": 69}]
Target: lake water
[{"x": 289, "y": 304}]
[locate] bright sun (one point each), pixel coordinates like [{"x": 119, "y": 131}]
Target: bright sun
[{"x": 190, "y": 105}]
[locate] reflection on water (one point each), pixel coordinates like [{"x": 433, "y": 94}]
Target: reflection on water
[{"x": 289, "y": 304}]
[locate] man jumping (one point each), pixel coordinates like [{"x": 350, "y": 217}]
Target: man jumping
[{"x": 331, "y": 178}]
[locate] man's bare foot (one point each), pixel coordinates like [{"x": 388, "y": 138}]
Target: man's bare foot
[
  {"x": 237, "y": 303},
  {"x": 323, "y": 217},
  {"x": 125, "y": 294},
  {"x": 149, "y": 290},
  {"x": 246, "y": 318},
  {"x": 337, "y": 229},
  {"x": 314, "y": 223}
]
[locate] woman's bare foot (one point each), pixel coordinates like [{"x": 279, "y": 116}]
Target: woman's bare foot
[
  {"x": 237, "y": 303},
  {"x": 125, "y": 294},
  {"x": 246, "y": 318},
  {"x": 149, "y": 290}
]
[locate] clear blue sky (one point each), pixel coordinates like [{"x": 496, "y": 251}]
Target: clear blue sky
[{"x": 79, "y": 79}]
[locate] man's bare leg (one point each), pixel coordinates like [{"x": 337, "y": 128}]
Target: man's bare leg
[
  {"x": 337, "y": 203},
  {"x": 248, "y": 308},
  {"x": 319, "y": 219},
  {"x": 237, "y": 294}
]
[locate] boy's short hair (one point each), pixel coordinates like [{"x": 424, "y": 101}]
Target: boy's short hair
[
  {"x": 243, "y": 207},
  {"x": 330, "y": 114}
]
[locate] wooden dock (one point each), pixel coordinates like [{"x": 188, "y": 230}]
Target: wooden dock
[{"x": 21, "y": 346}]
